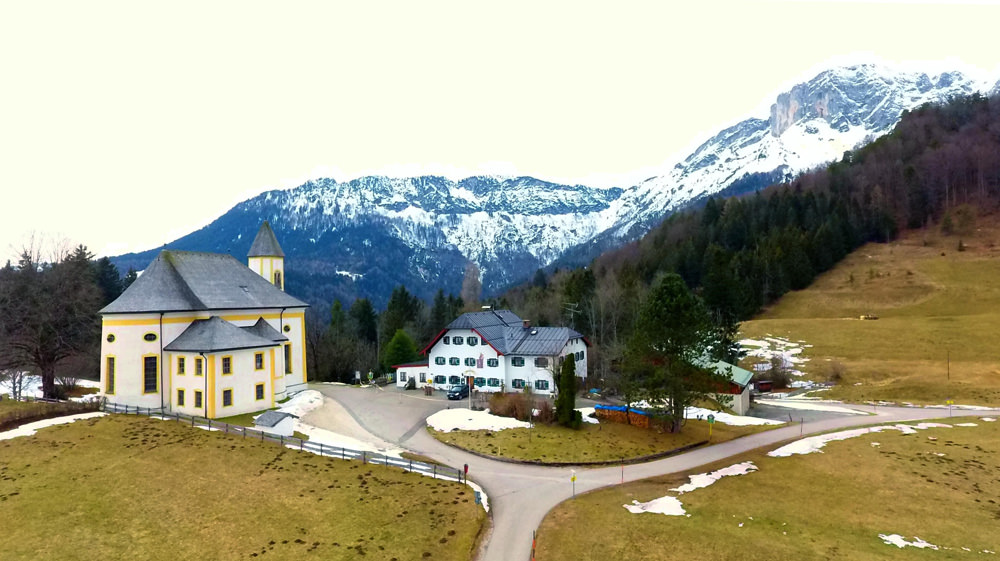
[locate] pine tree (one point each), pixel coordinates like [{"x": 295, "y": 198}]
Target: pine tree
[
  {"x": 566, "y": 400},
  {"x": 400, "y": 350}
]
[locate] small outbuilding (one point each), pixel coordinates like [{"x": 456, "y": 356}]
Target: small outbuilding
[
  {"x": 416, "y": 371},
  {"x": 277, "y": 423},
  {"x": 736, "y": 394}
]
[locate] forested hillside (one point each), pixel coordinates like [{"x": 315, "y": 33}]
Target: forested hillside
[{"x": 938, "y": 166}]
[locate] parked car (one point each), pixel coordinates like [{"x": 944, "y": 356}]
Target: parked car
[{"x": 458, "y": 392}]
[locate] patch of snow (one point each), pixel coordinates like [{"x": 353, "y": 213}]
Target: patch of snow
[
  {"x": 31, "y": 428},
  {"x": 770, "y": 348},
  {"x": 352, "y": 276},
  {"x": 811, "y": 406},
  {"x": 663, "y": 505},
  {"x": 467, "y": 419},
  {"x": 483, "y": 497},
  {"x": 812, "y": 444},
  {"x": 966, "y": 425},
  {"x": 988, "y": 419},
  {"x": 302, "y": 403},
  {"x": 31, "y": 386},
  {"x": 726, "y": 418},
  {"x": 330, "y": 438},
  {"x": 796, "y": 384},
  {"x": 901, "y": 542},
  {"x": 965, "y": 407},
  {"x": 702, "y": 480},
  {"x": 587, "y": 412}
]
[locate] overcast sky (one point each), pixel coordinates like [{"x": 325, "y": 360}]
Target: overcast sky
[{"x": 125, "y": 125}]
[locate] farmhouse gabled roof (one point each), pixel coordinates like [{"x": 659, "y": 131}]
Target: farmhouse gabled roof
[
  {"x": 265, "y": 244},
  {"x": 180, "y": 281},
  {"x": 507, "y": 334},
  {"x": 214, "y": 335}
]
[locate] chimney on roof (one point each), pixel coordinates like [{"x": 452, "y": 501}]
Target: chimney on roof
[{"x": 526, "y": 323}]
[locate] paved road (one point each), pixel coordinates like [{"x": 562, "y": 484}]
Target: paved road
[{"x": 521, "y": 495}]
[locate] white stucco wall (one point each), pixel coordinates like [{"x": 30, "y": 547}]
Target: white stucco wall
[
  {"x": 739, "y": 403},
  {"x": 406, "y": 372},
  {"x": 462, "y": 352}
]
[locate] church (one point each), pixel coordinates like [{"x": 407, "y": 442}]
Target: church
[{"x": 203, "y": 334}]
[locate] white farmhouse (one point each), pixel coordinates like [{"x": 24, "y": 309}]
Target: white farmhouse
[
  {"x": 500, "y": 351},
  {"x": 205, "y": 335}
]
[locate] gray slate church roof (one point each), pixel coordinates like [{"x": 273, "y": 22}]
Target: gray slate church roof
[
  {"x": 506, "y": 332},
  {"x": 270, "y": 419},
  {"x": 181, "y": 281},
  {"x": 266, "y": 243},
  {"x": 264, "y": 330},
  {"x": 214, "y": 335}
]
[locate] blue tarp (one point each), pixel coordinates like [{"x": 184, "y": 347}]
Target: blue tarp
[{"x": 622, "y": 408}]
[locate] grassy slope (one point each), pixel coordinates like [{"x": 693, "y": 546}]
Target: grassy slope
[
  {"x": 805, "y": 507},
  {"x": 604, "y": 442},
  {"x": 932, "y": 301},
  {"x": 120, "y": 487}
]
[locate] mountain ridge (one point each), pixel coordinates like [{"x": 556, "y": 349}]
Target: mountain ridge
[{"x": 365, "y": 236}]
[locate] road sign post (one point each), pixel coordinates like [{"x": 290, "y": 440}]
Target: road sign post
[
  {"x": 711, "y": 421},
  {"x": 950, "y": 402},
  {"x": 573, "y": 479}
]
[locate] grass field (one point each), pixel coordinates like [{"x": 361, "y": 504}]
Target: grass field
[
  {"x": 938, "y": 309},
  {"x": 604, "y": 442},
  {"x": 128, "y": 487},
  {"x": 944, "y": 491}
]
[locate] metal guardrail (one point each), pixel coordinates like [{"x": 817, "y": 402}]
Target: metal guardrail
[{"x": 343, "y": 453}]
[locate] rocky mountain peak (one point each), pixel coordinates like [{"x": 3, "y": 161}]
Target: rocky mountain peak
[{"x": 865, "y": 95}]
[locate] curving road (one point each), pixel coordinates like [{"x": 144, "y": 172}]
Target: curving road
[{"x": 521, "y": 495}]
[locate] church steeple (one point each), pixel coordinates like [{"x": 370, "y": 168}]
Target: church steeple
[{"x": 266, "y": 258}]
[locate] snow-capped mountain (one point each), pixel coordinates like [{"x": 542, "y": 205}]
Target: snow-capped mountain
[
  {"x": 812, "y": 124},
  {"x": 363, "y": 237}
]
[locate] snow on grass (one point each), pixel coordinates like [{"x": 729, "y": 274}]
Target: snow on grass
[
  {"x": 31, "y": 386},
  {"x": 467, "y": 419},
  {"x": 663, "y": 505},
  {"x": 812, "y": 444},
  {"x": 672, "y": 506},
  {"x": 31, "y": 428},
  {"x": 965, "y": 407},
  {"x": 988, "y": 419},
  {"x": 702, "y": 480},
  {"x": 810, "y": 405},
  {"x": 966, "y": 425},
  {"x": 901, "y": 542},
  {"x": 726, "y": 418},
  {"x": 771, "y": 348},
  {"x": 335, "y": 440},
  {"x": 587, "y": 412}
]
